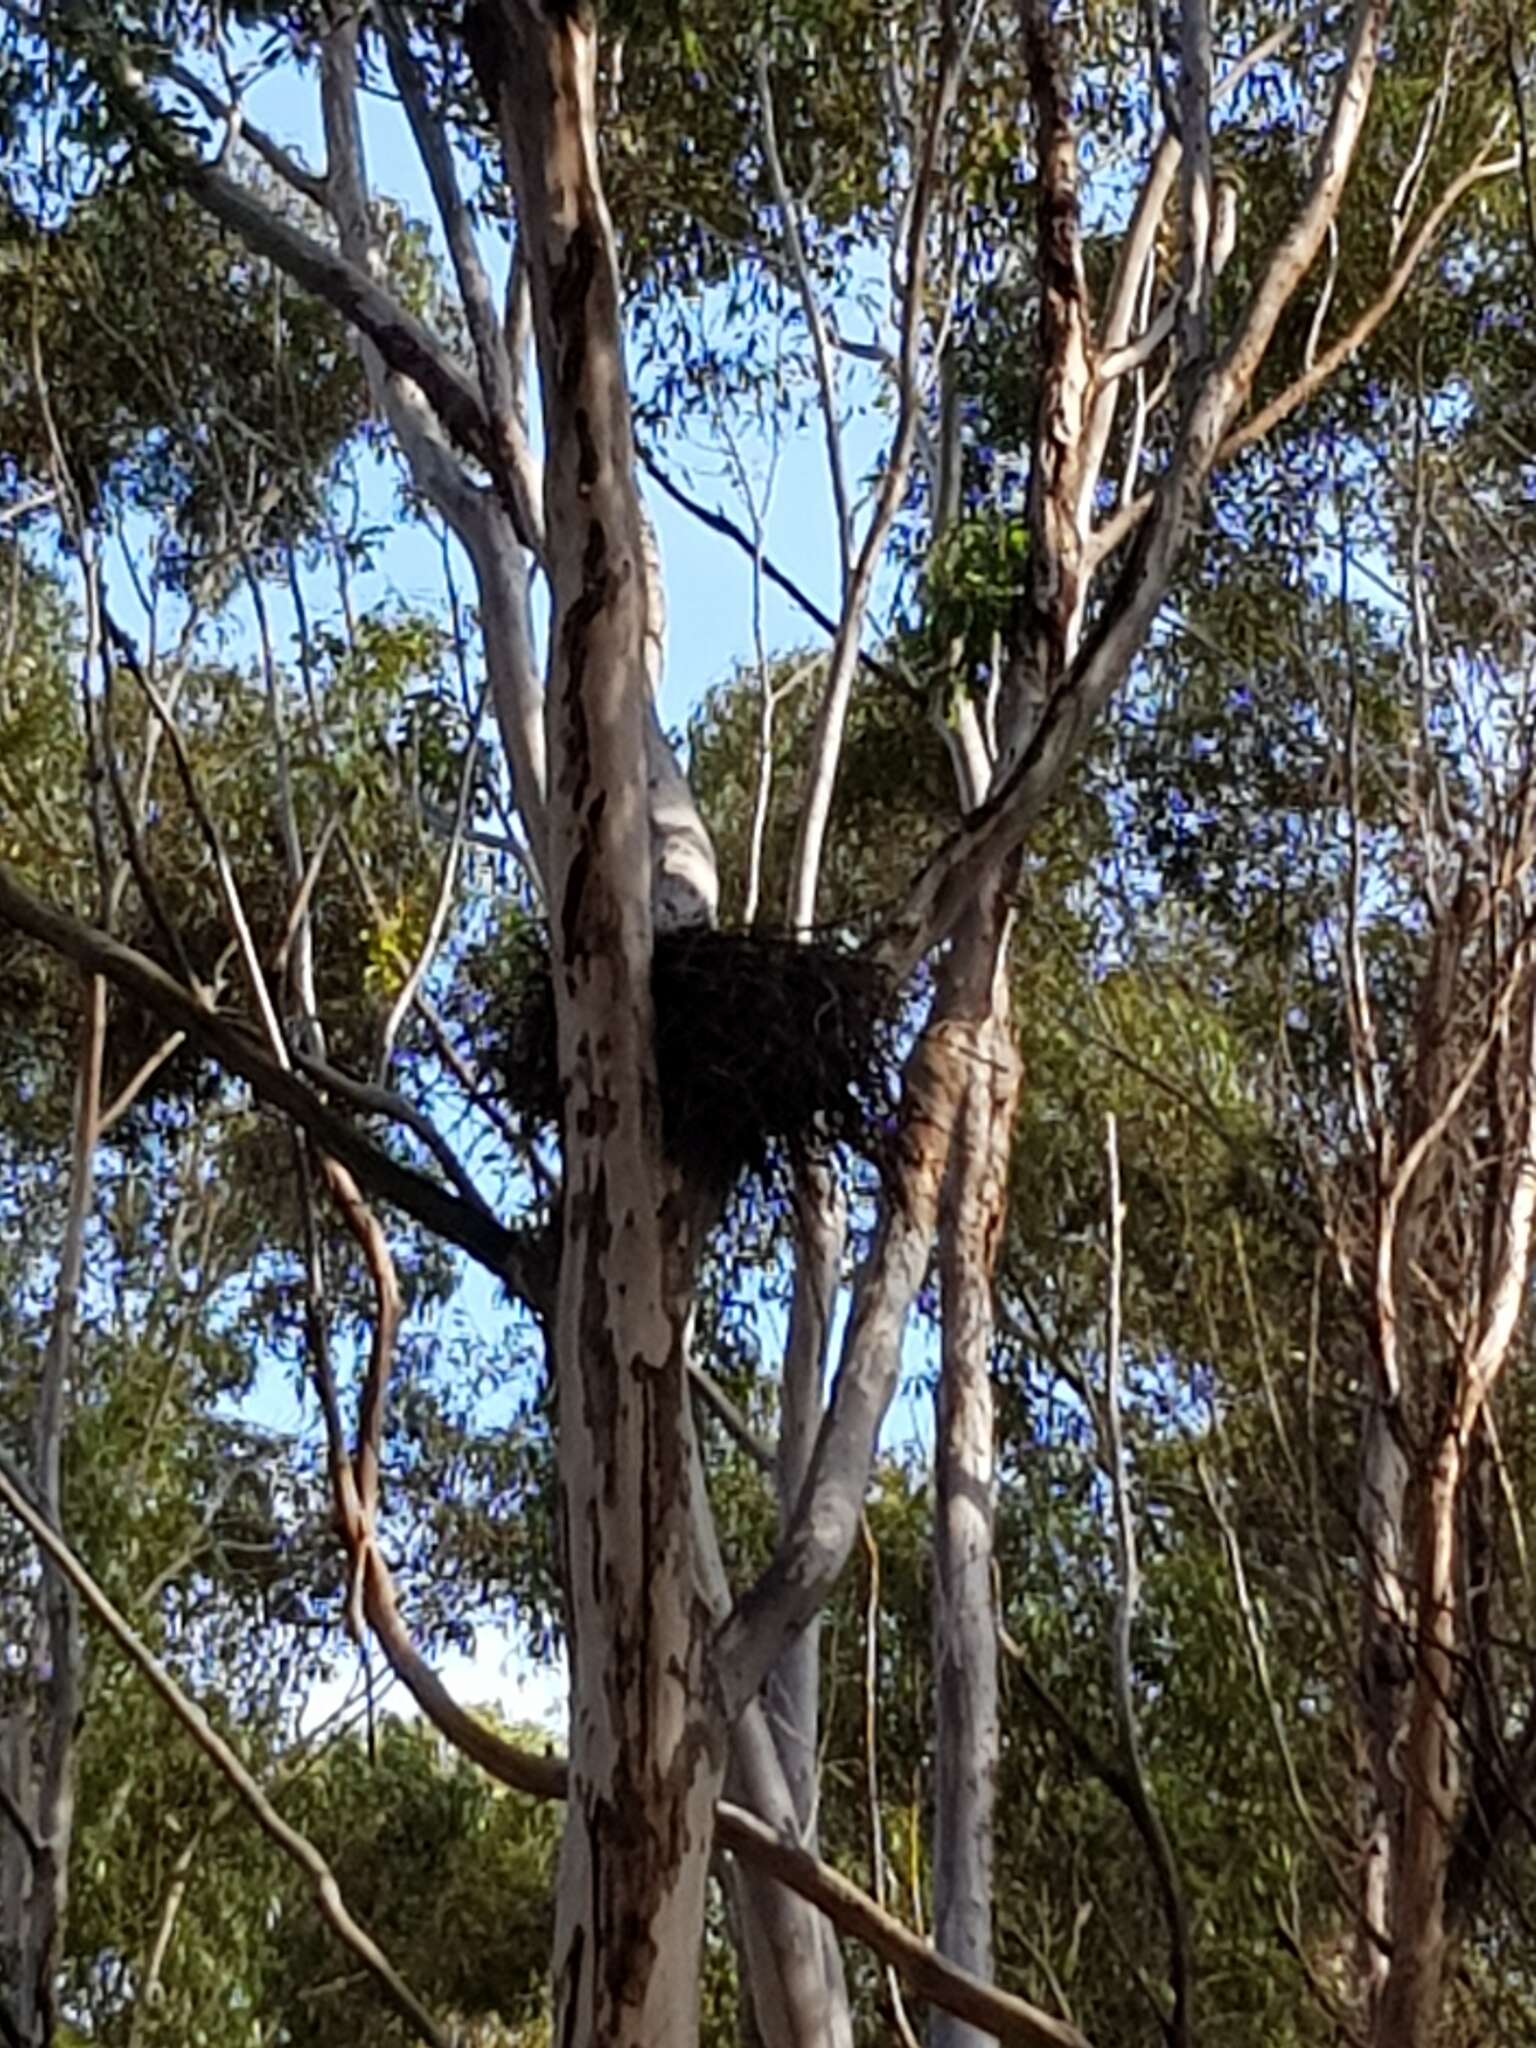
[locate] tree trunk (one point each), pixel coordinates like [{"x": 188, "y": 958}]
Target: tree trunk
[
  {"x": 972, "y": 1216},
  {"x": 42, "y": 1745},
  {"x": 1385, "y": 1654},
  {"x": 793, "y": 1964},
  {"x": 647, "y": 1741},
  {"x": 1408, "y": 2013}
]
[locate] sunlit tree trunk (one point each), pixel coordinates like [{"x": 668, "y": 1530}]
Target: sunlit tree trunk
[
  {"x": 971, "y": 1222},
  {"x": 647, "y": 1745}
]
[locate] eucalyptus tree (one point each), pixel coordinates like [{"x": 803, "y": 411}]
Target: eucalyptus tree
[{"x": 1074, "y": 211}]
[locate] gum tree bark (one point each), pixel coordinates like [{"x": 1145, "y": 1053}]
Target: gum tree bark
[{"x": 647, "y": 1741}]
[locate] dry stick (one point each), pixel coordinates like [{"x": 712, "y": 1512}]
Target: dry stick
[
  {"x": 419, "y": 968},
  {"x": 298, "y": 1848},
  {"x": 229, "y": 888},
  {"x": 815, "y": 322},
  {"x": 859, "y": 572},
  {"x": 728, "y": 529},
  {"x": 1179, "y": 2024},
  {"x": 713, "y": 1397},
  {"x": 1253, "y": 1637},
  {"x": 138, "y": 1081}
]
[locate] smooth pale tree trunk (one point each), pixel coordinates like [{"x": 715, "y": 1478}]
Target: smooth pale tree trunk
[
  {"x": 646, "y": 1740},
  {"x": 972, "y": 1215},
  {"x": 39, "y": 1748},
  {"x": 1385, "y": 1664},
  {"x": 793, "y": 1963},
  {"x": 1408, "y": 2013}
]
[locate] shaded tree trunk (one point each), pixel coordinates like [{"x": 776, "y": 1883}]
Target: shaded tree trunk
[
  {"x": 1408, "y": 2010},
  {"x": 1385, "y": 1662},
  {"x": 37, "y": 1775},
  {"x": 793, "y": 1963}
]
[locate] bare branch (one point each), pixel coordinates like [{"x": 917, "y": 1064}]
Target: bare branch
[
  {"x": 721, "y": 523},
  {"x": 308, "y": 184},
  {"x": 387, "y": 1102},
  {"x": 816, "y": 326},
  {"x": 925, "y": 1973},
  {"x": 518, "y": 469},
  {"x": 831, "y": 719},
  {"x": 234, "y": 1045},
  {"x": 1332, "y": 360},
  {"x": 405, "y": 345},
  {"x": 952, "y": 877}
]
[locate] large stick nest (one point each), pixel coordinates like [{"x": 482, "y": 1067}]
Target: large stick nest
[{"x": 768, "y": 1049}]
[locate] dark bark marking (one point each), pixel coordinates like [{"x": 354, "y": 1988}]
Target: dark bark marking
[
  {"x": 586, "y": 456},
  {"x": 572, "y": 1974},
  {"x": 579, "y": 617},
  {"x": 571, "y": 900},
  {"x": 569, "y": 288}
]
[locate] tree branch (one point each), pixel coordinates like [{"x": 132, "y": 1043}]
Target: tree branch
[
  {"x": 510, "y": 1256},
  {"x": 832, "y": 714},
  {"x": 517, "y": 471},
  {"x": 308, "y": 184},
  {"x": 1349, "y": 344},
  {"x": 1144, "y": 1807},
  {"x": 405, "y": 344},
  {"x": 951, "y": 879},
  {"x": 722, "y": 523}
]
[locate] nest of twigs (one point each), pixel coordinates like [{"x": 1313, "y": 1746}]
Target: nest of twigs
[{"x": 768, "y": 1049}]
